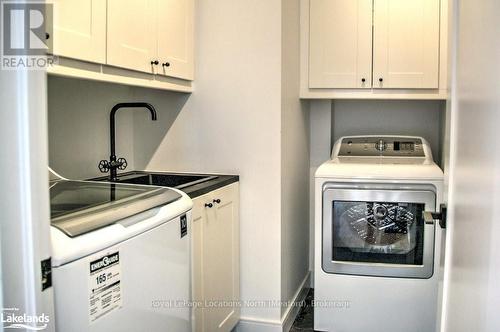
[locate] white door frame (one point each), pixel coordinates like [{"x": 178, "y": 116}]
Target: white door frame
[
  {"x": 471, "y": 291},
  {"x": 24, "y": 196}
]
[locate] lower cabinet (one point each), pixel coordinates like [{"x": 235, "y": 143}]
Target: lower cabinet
[{"x": 216, "y": 276}]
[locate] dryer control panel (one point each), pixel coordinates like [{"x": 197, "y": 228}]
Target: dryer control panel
[{"x": 381, "y": 146}]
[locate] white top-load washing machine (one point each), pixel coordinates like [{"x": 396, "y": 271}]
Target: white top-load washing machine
[
  {"x": 377, "y": 261},
  {"x": 120, "y": 257}
]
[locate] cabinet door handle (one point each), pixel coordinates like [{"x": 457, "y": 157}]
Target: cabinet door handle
[
  {"x": 363, "y": 80},
  {"x": 209, "y": 205},
  {"x": 166, "y": 64},
  {"x": 381, "y": 80},
  {"x": 217, "y": 201},
  {"x": 155, "y": 62}
]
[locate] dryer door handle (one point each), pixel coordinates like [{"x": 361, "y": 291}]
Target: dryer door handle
[{"x": 432, "y": 217}]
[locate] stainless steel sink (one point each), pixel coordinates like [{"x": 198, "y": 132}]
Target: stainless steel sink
[{"x": 178, "y": 181}]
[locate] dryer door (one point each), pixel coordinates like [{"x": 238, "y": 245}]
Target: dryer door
[{"x": 378, "y": 232}]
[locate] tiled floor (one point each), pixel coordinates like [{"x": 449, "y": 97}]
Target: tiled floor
[{"x": 305, "y": 319}]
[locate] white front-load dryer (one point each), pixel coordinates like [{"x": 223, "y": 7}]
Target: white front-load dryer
[{"x": 377, "y": 261}]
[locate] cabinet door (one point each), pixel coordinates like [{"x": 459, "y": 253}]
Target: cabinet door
[
  {"x": 132, "y": 34},
  {"x": 406, "y": 44},
  {"x": 340, "y": 43},
  {"x": 221, "y": 255},
  {"x": 200, "y": 215},
  {"x": 80, "y": 29},
  {"x": 216, "y": 270},
  {"x": 176, "y": 38}
]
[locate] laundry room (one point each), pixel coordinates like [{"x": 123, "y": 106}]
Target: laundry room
[{"x": 249, "y": 165}]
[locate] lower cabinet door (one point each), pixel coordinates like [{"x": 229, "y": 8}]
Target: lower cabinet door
[{"x": 216, "y": 260}]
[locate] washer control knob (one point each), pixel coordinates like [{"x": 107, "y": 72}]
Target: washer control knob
[{"x": 381, "y": 145}]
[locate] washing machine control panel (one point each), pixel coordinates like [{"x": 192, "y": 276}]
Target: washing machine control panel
[{"x": 381, "y": 146}]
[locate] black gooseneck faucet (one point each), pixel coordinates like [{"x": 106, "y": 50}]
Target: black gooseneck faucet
[{"x": 113, "y": 163}]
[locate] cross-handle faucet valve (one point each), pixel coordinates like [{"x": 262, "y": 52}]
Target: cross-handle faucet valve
[{"x": 113, "y": 164}]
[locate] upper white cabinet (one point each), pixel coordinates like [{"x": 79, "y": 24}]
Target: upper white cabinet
[
  {"x": 80, "y": 29},
  {"x": 147, "y": 43},
  {"x": 176, "y": 38},
  {"x": 406, "y": 44},
  {"x": 379, "y": 49},
  {"x": 132, "y": 34},
  {"x": 340, "y": 52},
  {"x": 153, "y": 36}
]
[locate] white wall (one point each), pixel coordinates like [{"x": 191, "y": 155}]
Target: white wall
[
  {"x": 294, "y": 161},
  {"x": 231, "y": 124},
  {"x": 320, "y": 137},
  {"x": 78, "y": 118},
  {"x": 78, "y": 115},
  {"x": 472, "y": 297}
]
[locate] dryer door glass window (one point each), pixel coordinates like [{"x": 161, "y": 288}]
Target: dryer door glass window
[
  {"x": 375, "y": 231},
  {"x": 378, "y": 232}
]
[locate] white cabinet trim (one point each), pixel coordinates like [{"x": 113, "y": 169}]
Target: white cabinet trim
[{"x": 102, "y": 73}]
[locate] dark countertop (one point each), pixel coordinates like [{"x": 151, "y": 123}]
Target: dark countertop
[{"x": 193, "y": 191}]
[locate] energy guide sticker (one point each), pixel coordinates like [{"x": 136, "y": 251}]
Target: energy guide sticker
[{"x": 105, "y": 292}]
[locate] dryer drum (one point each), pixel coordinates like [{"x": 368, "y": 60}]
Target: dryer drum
[{"x": 381, "y": 224}]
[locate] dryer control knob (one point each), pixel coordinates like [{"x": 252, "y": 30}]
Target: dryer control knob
[{"x": 381, "y": 145}]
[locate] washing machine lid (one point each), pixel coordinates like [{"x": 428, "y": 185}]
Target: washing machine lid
[
  {"x": 79, "y": 207},
  {"x": 66, "y": 249}
]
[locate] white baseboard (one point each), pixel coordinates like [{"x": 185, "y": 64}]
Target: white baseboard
[
  {"x": 253, "y": 325},
  {"x": 292, "y": 311},
  {"x": 256, "y": 325}
]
